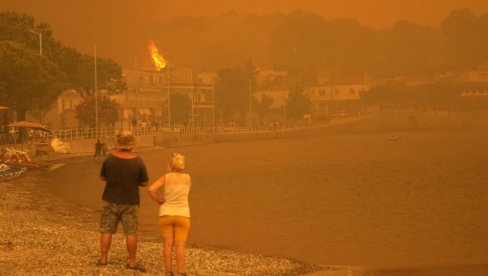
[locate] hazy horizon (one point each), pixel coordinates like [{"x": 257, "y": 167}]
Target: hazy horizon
[{"x": 120, "y": 23}]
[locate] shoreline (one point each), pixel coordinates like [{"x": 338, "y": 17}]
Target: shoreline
[{"x": 42, "y": 235}]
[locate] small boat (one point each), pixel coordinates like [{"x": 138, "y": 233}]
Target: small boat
[
  {"x": 9, "y": 172},
  {"x": 17, "y": 158},
  {"x": 394, "y": 138}
]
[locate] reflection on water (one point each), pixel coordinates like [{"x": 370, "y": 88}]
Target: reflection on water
[{"x": 350, "y": 200}]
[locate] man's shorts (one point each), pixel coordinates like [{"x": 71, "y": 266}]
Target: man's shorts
[
  {"x": 113, "y": 213},
  {"x": 175, "y": 225}
]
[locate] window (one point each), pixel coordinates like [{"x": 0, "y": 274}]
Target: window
[{"x": 321, "y": 92}]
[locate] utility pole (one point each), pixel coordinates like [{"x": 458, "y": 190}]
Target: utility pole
[
  {"x": 250, "y": 104},
  {"x": 96, "y": 86},
  {"x": 169, "y": 100},
  {"x": 96, "y": 93},
  {"x": 192, "y": 102},
  {"x": 213, "y": 108}
]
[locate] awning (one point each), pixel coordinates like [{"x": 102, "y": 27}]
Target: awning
[{"x": 32, "y": 125}]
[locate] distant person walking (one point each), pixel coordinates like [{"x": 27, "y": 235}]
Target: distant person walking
[
  {"x": 123, "y": 172},
  {"x": 174, "y": 211},
  {"x": 104, "y": 149},
  {"x": 98, "y": 149}
]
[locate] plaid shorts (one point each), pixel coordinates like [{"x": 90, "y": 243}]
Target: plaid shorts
[{"x": 113, "y": 213}]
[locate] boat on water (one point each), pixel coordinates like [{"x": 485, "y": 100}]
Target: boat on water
[
  {"x": 394, "y": 138},
  {"x": 8, "y": 172}
]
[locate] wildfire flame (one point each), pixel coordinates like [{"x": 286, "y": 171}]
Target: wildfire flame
[{"x": 159, "y": 61}]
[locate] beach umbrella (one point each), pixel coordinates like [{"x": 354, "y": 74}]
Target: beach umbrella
[{"x": 32, "y": 125}]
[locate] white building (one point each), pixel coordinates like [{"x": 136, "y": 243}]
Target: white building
[{"x": 331, "y": 100}]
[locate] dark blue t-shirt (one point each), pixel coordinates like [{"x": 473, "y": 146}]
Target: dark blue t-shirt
[{"x": 123, "y": 178}]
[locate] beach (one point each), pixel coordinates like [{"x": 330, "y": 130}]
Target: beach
[
  {"x": 432, "y": 222},
  {"x": 44, "y": 236}
]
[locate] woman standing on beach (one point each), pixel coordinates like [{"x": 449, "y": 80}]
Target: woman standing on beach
[{"x": 174, "y": 211}]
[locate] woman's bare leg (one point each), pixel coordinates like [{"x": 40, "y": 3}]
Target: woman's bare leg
[
  {"x": 180, "y": 256},
  {"x": 167, "y": 250}
]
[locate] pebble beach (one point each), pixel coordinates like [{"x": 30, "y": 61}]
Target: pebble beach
[{"x": 40, "y": 235}]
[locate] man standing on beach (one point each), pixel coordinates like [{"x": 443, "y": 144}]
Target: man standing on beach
[{"x": 123, "y": 172}]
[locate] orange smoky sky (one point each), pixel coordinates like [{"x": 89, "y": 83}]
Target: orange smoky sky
[
  {"x": 121, "y": 21},
  {"x": 374, "y": 13}
]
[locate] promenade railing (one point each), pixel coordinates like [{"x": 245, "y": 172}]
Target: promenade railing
[
  {"x": 89, "y": 133},
  {"x": 107, "y": 132}
]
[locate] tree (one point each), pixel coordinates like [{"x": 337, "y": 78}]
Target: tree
[
  {"x": 180, "y": 108},
  {"x": 108, "y": 111},
  {"x": 263, "y": 106},
  {"x": 297, "y": 104},
  {"x": 28, "y": 81},
  {"x": 466, "y": 39},
  {"x": 232, "y": 92},
  {"x": 78, "y": 68}
]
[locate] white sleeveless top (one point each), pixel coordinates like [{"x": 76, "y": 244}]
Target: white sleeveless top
[{"x": 176, "y": 190}]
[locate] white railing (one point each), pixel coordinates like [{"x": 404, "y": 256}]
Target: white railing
[
  {"x": 88, "y": 133},
  {"x": 106, "y": 132}
]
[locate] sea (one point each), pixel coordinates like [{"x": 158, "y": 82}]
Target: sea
[{"x": 355, "y": 200}]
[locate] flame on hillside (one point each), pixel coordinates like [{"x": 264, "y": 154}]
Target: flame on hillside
[{"x": 159, "y": 61}]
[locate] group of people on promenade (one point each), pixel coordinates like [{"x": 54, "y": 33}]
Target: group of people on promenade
[{"x": 124, "y": 172}]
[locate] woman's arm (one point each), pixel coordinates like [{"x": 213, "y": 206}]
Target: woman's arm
[{"x": 153, "y": 189}]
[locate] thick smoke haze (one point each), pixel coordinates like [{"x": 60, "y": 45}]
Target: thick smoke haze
[{"x": 121, "y": 29}]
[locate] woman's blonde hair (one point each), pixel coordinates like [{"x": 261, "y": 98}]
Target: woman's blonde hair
[{"x": 176, "y": 162}]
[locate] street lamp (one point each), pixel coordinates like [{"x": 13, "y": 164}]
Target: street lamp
[
  {"x": 96, "y": 88},
  {"x": 213, "y": 107},
  {"x": 40, "y": 53},
  {"x": 192, "y": 101},
  {"x": 250, "y": 104},
  {"x": 40, "y": 40},
  {"x": 169, "y": 91}
]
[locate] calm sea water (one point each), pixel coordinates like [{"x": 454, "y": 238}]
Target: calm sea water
[{"x": 339, "y": 200}]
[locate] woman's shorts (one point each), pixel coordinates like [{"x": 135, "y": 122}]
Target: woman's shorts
[
  {"x": 113, "y": 213},
  {"x": 175, "y": 225}
]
